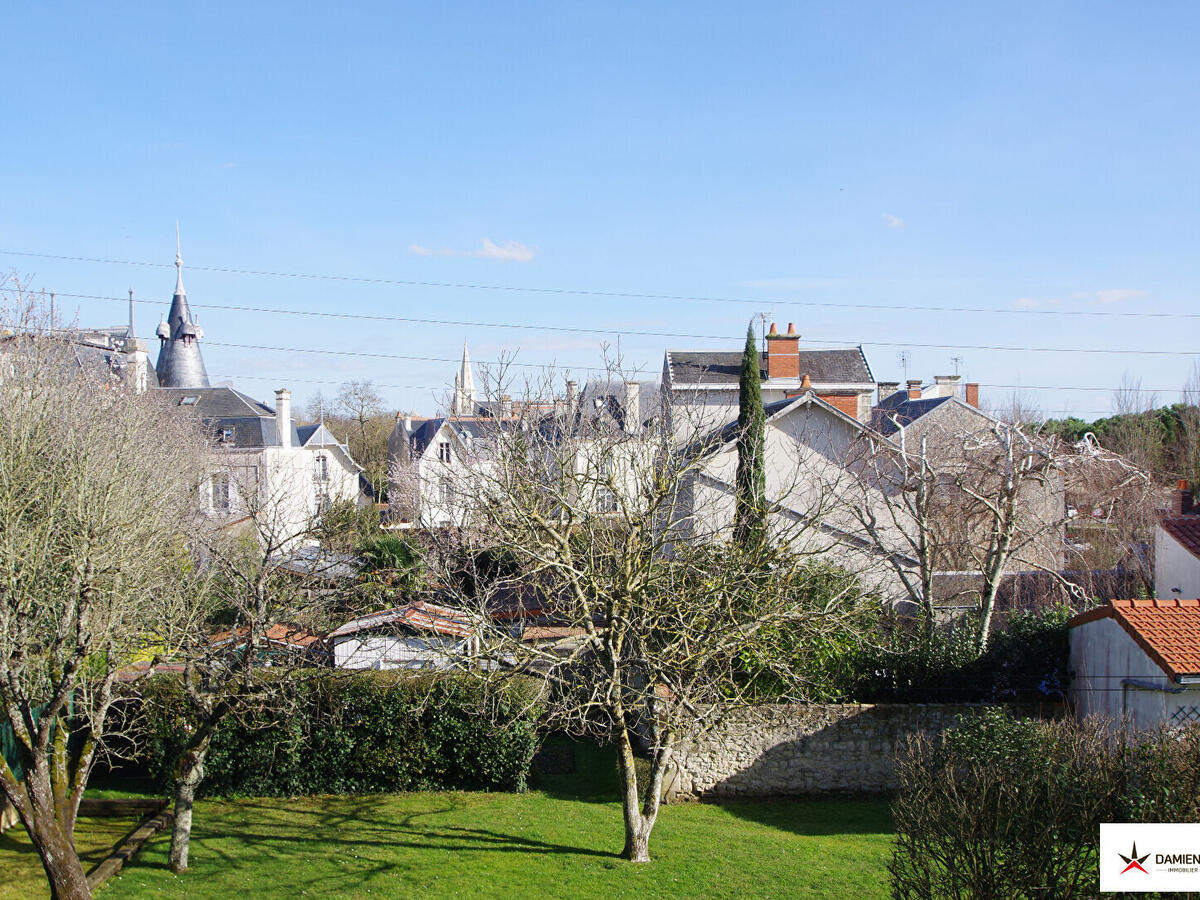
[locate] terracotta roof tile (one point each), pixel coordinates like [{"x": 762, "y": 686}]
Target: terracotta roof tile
[
  {"x": 1167, "y": 630},
  {"x": 1186, "y": 530}
]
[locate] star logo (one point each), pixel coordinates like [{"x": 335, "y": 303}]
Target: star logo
[{"x": 1133, "y": 861}]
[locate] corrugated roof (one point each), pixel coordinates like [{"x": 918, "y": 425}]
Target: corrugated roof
[
  {"x": 1186, "y": 530},
  {"x": 1167, "y": 630},
  {"x": 418, "y": 615},
  {"x": 844, "y": 365}
]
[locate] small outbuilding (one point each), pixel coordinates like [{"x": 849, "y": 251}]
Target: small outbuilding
[
  {"x": 418, "y": 635},
  {"x": 1137, "y": 660}
]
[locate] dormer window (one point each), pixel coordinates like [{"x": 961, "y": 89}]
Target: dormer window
[
  {"x": 444, "y": 451},
  {"x": 225, "y": 435}
]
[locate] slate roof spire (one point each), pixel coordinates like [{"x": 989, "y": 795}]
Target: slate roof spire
[
  {"x": 464, "y": 387},
  {"x": 179, "y": 361}
]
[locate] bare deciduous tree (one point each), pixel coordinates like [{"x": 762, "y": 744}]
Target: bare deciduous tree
[
  {"x": 97, "y": 489},
  {"x": 977, "y": 503},
  {"x": 639, "y": 608},
  {"x": 255, "y": 562}
]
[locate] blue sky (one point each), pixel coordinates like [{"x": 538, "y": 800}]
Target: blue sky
[{"x": 1019, "y": 156}]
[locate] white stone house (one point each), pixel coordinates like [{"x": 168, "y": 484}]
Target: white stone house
[
  {"x": 418, "y": 635},
  {"x": 263, "y": 462},
  {"x": 1177, "y": 547},
  {"x": 1137, "y": 661},
  {"x": 811, "y": 483}
]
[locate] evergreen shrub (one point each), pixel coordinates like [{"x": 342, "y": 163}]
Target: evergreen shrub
[
  {"x": 356, "y": 732},
  {"x": 1009, "y": 808}
]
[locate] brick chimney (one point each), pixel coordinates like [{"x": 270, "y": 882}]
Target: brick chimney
[
  {"x": 971, "y": 389},
  {"x": 1183, "y": 503},
  {"x": 887, "y": 388},
  {"x": 783, "y": 353},
  {"x": 914, "y": 389},
  {"x": 283, "y": 417}
]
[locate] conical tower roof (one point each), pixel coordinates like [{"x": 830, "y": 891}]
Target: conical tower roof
[{"x": 179, "y": 361}]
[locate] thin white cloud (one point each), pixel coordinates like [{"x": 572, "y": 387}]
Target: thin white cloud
[
  {"x": 507, "y": 251},
  {"x": 1026, "y": 303},
  {"x": 1112, "y": 295},
  {"x": 892, "y": 221}
]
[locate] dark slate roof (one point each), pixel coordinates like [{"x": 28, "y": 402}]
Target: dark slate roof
[
  {"x": 898, "y": 408},
  {"x": 318, "y": 434},
  {"x": 107, "y": 362},
  {"x": 834, "y": 366},
  {"x": 611, "y": 396},
  {"x": 219, "y": 402},
  {"x": 223, "y": 408}
]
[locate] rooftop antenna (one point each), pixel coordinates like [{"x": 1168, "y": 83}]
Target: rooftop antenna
[
  {"x": 957, "y": 360},
  {"x": 902, "y": 361}
]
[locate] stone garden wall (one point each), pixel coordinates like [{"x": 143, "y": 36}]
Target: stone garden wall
[{"x": 811, "y": 749}]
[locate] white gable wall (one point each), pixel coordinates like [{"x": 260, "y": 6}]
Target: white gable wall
[
  {"x": 1103, "y": 654},
  {"x": 1174, "y": 567}
]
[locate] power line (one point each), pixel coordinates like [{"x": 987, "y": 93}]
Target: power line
[
  {"x": 369, "y": 355},
  {"x": 629, "y": 295},
  {"x": 614, "y": 331}
]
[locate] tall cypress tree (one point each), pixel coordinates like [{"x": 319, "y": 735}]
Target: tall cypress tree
[{"x": 750, "y": 517}]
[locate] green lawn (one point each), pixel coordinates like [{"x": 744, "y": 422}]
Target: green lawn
[
  {"x": 531, "y": 845},
  {"x": 21, "y": 873},
  {"x": 557, "y": 841}
]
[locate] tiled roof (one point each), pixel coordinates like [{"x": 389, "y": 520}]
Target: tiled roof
[
  {"x": 834, "y": 366},
  {"x": 1167, "y": 630},
  {"x": 291, "y": 635},
  {"x": 1186, "y": 530},
  {"x": 418, "y": 615}
]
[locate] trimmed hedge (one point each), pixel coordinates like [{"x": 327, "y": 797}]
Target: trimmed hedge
[
  {"x": 1024, "y": 660},
  {"x": 360, "y": 732}
]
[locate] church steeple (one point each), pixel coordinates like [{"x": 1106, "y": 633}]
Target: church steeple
[
  {"x": 179, "y": 361},
  {"x": 464, "y": 387}
]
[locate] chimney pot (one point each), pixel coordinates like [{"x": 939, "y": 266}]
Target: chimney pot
[{"x": 783, "y": 353}]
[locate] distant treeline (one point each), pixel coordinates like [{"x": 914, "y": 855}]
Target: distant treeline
[{"x": 1166, "y": 440}]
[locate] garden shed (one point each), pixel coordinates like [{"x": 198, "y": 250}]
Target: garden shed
[{"x": 1137, "y": 660}]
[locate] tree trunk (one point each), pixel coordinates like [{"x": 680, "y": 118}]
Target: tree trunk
[
  {"x": 637, "y": 829},
  {"x": 63, "y": 868},
  {"x": 54, "y": 845},
  {"x": 191, "y": 773}
]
